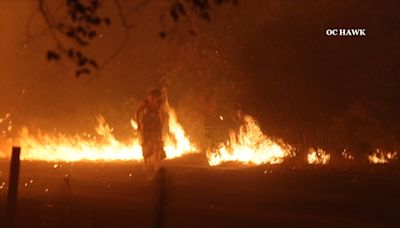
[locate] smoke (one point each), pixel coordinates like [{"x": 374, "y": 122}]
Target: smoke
[{"x": 267, "y": 58}]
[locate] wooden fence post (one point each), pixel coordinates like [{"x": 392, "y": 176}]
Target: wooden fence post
[
  {"x": 11, "y": 205},
  {"x": 161, "y": 197}
]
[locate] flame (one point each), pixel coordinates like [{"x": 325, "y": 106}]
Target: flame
[
  {"x": 176, "y": 141},
  {"x": 380, "y": 157},
  {"x": 318, "y": 157},
  {"x": 347, "y": 155},
  {"x": 103, "y": 147},
  {"x": 249, "y": 146},
  {"x": 134, "y": 125},
  {"x": 77, "y": 148}
]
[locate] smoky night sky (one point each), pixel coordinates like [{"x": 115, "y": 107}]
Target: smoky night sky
[{"x": 270, "y": 59}]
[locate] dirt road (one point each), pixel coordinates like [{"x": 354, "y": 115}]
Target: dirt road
[{"x": 120, "y": 194}]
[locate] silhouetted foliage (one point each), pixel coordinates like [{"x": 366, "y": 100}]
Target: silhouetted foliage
[
  {"x": 81, "y": 28},
  {"x": 84, "y": 21},
  {"x": 199, "y": 8},
  {"x": 52, "y": 55}
]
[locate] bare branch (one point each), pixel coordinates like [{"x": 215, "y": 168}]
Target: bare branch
[
  {"x": 118, "y": 50},
  {"x": 50, "y": 22},
  {"x": 122, "y": 16},
  {"x": 138, "y": 7},
  {"x": 83, "y": 23},
  {"x": 127, "y": 28},
  {"x": 31, "y": 37}
]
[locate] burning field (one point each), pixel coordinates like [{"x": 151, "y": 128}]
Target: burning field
[
  {"x": 251, "y": 179},
  {"x": 266, "y": 116},
  {"x": 247, "y": 146},
  {"x": 97, "y": 181}
]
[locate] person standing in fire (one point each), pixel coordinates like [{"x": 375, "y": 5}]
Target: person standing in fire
[{"x": 150, "y": 116}]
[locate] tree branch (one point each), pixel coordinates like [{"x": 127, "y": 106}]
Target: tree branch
[
  {"x": 138, "y": 7},
  {"x": 127, "y": 28},
  {"x": 51, "y": 24}
]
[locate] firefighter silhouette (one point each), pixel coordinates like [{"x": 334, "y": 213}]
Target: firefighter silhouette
[{"x": 150, "y": 116}]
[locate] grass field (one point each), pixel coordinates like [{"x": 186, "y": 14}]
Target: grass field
[{"x": 121, "y": 194}]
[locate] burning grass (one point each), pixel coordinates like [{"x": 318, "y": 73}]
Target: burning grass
[
  {"x": 102, "y": 147},
  {"x": 247, "y": 146},
  {"x": 317, "y": 156},
  {"x": 381, "y": 157}
]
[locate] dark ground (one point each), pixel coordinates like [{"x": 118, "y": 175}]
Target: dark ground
[{"x": 105, "y": 195}]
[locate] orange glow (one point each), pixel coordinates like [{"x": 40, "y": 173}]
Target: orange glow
[
  {"x": 6, "y": 127},
  {"x": 249, "y": 146},
  {"x": 318, "y": 157},
  {"x": 380, "y": 157},
  {"x": 176, "y": 143},
  {"x": 103, "y": 147}
]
